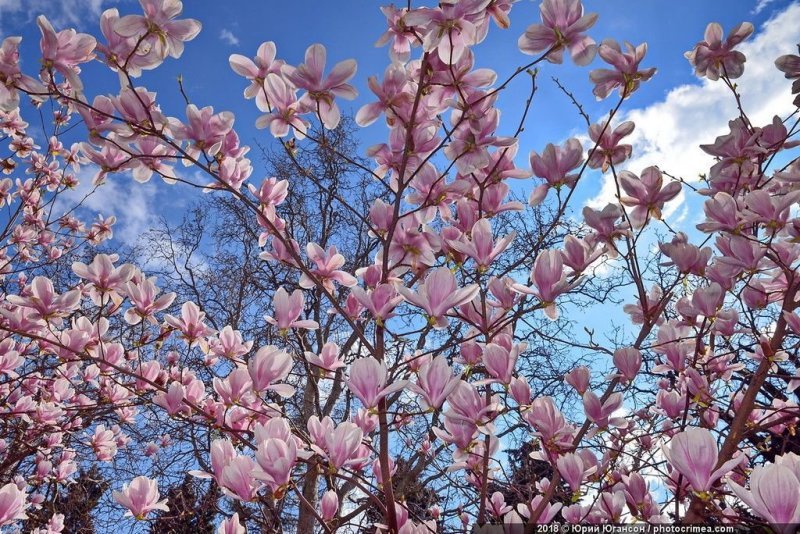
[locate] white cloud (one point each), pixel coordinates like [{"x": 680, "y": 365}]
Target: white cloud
[
  {"x": 132, "y": 203},
  {"x": 668, "y": 133},
  {"x": 760, "y": 6},
  {"x": 82, "y": 14},
  {"x": 227, "y": 36}
]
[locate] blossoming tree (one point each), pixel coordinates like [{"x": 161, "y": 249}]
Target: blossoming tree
[{"x": 399, "y": 368}]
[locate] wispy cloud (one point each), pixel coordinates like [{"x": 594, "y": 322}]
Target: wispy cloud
[
  {"x": 668, "y": 133},
  {"x": 83, "y": 14},
  {"x": 133, "y": 204},
  {"x": 227, "y": 36},
  {"x": 760, "y": 6}
]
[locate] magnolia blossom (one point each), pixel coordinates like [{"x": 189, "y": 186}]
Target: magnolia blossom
[
  {"x": 693, "y": 453},
  {"x": 563, "y": 24},
  {"x": 140, "y": 497},
  {"x": 712, "y": 57},
  {"x": 438, "y": 294},
  {"x": 12, "y": 504},
  {"x": 368, "y": 381}
]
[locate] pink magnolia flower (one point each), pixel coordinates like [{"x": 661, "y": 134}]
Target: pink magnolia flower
[
  {"x": 435, "y": 381},
  {"x": 12, "y": 504},
  {"x": 271, "y": 364},
  {"x": 579, "y": 379},
  {"x": 165, "y": 35},
  {"x": 329, "y": 505},
  {"x": 343, "y": 444},
  {"x": 142, "y": 295},
  {"x": 391, "y": 93},
  {"x": 446, "y": 29},
  {"x": 686, "y": 257},
  {"x": 172, "y": 400},
  {"x": 235, "y": 388},
  {"x": 368, "y": 381},
  {"x": 11, "y": 78},
  {"x": 482, "y": 247},
  {"x": 65, "y": 50},
  {"x": 103, "y": 444},
  {"x": 563, "y": 24},
  {"x": 400, "y": 33},
  {"x": 789, "y": 64},
  {"x": 379, "y": 302},
  {"x": 276, "y": 458},
  {"x": 573, "y": 470},
  {"x": 322, "y": 91},
  {"x": 45, "y": 303},
  {"x": 283, "y": 109},
  {"x": 550, "y": 280},
  {"x": 556, "y": 161},
  {"x": 647, "y": 195},
  {"x": 257, "y": 69},
  {"x": 500, "y": 358},
  {"x": 609, "y": 151},
  {"x": 237, "y": 479},
  {"x": 548, "y": 512},
  {"x": 287, "y": 312},
  {"x": 693, "y": 453},
  {"x": 600, "y": 414},
  {"x": 438, "y": 295},
  {"x": 103, "y": 275},
  {"x": 140, "y": 497},
  {"x": 712, "y": 57},
  {"x": 231, "y": 526},
  {"x": 204, "y": 129},
  {"x": 628, "y": 361},
  {"x": 626, "y": 74},
  {"x": 520, "y": 391},
  {"x": 774, "y": 495},
  {"x": 329, "y": 358},
  {"x": 191, "y": 323},
  {"x": 326, "y": 269}
]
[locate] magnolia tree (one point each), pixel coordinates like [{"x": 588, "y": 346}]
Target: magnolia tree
[{"x": 374, "y": 394}]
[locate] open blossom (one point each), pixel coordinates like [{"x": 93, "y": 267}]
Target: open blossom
[
  {"x": 563, "y": 24},
  {"x": 556, "y": 162},
  {"x": 140, "y": 497},
  {"x": 482, "y": 247},
  {"x": 608, "y": 151},
  {"x": 322, "y": 91},
  {"x": 438, "y": 295},
  {"x": 257, "y": 69},
  {"x": 329, "y": 358},
  {"x": 712, "y": 57},
  {"x": 283, "y": 109},
  {"x": 271, "y": 364},
  {"x": 65, "y": 50},
  {"x": 191, "y": 323},
  {"x": 626, "y": 74},
  {"x": 327, "y": 268},
  {"x": 646, "y": 194},
  {"x": 231, "y": 526},
  {"x": 276, "y": 458},
  {"x": 165, "y": 35}
]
